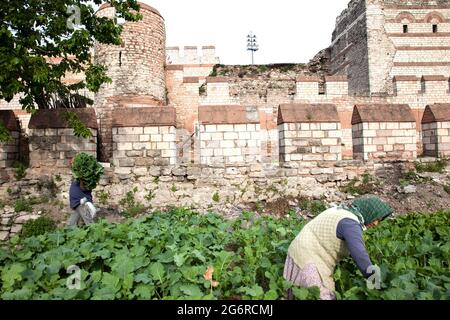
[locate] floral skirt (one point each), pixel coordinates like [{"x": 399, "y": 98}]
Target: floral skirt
[{"x": 307, "y": 277}]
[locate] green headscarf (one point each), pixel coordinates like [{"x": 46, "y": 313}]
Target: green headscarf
[{"x": 370, "y": 209}]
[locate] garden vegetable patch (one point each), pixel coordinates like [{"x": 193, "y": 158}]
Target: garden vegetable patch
[{"x": 183, "y": 255}]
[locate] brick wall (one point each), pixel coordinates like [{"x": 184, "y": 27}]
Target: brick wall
[
  {"x": 144, "y": 139},
  {"x": 309, "y": 133},
  {"x": 136, "y": 149},
  {"x": 384, "y": 132},
  {"x": 229, "y": 135},
  {"x": 9, "y": 150},
  {"x": 436, "y": 130},
  {"x": 52, "y": 142}
]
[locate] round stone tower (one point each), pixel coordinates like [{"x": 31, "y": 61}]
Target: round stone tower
[{"x": 136, "y": 68}]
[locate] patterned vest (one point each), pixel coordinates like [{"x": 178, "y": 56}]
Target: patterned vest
[{"x": 318, "y": 244}]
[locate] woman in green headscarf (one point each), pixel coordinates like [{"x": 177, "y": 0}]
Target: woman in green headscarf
[{"x": 330, "y": 237}]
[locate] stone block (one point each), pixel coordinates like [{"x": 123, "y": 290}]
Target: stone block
[
  {"x": 229, "y": 152},
  {"x": 127, "y": 162},
  {"x": 236, "y": 159},
  {"x": 330, "y": 142},
  {"x": 156, "y": 138},
  {"x": 328, "y": 126},
  {"x": 312, "y": 157},
  {"x": 370, "y": 133},
  {"x": 151, "y": 130},
  {"x": 256, "y": 135},
  {"x": 330, "y": 157},
  {"x": 144, "y": 162},
  {"x": 168, "y": 153},
  {"x": 141, "y": 145},
  {"x": 217, "y": 135},
  {"x": 374, "y": 126},
  {"x": 206, "y": 152},
  {"x": 392, "y": 125},
  {"x": 225, "y": 127},
  {"x": 126, "y": 138},
  {"x": 169, "y": 137},
  {"x": 154, "y": 171},
  {"x": 240, "y": 127},
  {"x": 141, "y": 171},
  {"x": 334, "y": 134},
  {"x": 318, "y": 134},
  {"x": 129, "y": 130},
  {"x": 134, "y": 153},
  {"x": 227, "y": 144},
  {"x": 124, "y": 146},
  {"x": 231, "y": 136}
]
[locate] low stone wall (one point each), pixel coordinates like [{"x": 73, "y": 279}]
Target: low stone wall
[
  {"x": 229, "y": 134},
  {"x": 309, "y": 133},
  {"x": 143, "y": 139},
  {"x": 436, "y": 131},
  {"x": 226, "y": 189},
  {"x": 9, "y": 150},
  {"x": 384, "y": 132},
  {"x": 52, "y": 141}
]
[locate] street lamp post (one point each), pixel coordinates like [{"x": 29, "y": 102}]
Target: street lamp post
[{"x": 252, "y": 45}]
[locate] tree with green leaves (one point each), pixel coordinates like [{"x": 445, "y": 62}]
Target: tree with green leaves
[{"x": 41, "y": 41}]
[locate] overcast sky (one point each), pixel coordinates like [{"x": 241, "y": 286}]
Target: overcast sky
[{"x": 287, "y": 30}]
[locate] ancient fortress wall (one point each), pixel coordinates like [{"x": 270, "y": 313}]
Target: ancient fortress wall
[
  {"x": 136, "y": 68},
  {"x": 375, "y": 40},
  {"x": 375, "y": 61}
]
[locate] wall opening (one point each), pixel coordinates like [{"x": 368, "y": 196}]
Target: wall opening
[
  {"x": 435, "y": 28},
  {"x": 405, "y": 28}
]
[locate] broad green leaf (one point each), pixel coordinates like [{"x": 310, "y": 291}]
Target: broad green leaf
[
  {"x": 191, "y": 290},
  {"x": 157, "y": 271}
]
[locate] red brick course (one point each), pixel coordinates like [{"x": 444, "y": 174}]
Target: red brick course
[
  {"x": 143, "y": 117},
  {"x": 382, "y": 113},
  {"x": 301, "y": 113},
  {"x": 438, "y": 112},
  {"x": 9, "y": 120},
  {"x": 54, "y": 118}
]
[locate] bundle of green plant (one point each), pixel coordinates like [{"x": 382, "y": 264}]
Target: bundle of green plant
[{"x": 86, "y": 168}]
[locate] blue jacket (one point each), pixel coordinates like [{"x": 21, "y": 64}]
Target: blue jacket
[
  {"x": 76, "y": 194},
  {"x": 351, "y": 232}
]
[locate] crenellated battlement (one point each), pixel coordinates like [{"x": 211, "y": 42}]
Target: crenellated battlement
[
  {"x": 437, "y": 85},
  {"x": 191, "y": 55}
]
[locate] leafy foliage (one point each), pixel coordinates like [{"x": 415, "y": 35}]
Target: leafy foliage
[
  {"x": 413, "y": 254},
  {"x": 437, "y": 166},
  {"x": 22, "y": 205},
  {"x": 45, "y": 40},
  {"x": 356, "y": 187},
  {"x": 86, "y": 168},
  {"x": 37, "y": 227},
  {"x": 5, "y": 135},
  {"x": 21, "y": 170},
  {"x": 79, "y": 128},
  {"x": 447, "y": 188},
  {"x": 314, "y": 207},
  {"x": 216, "y": 197},
  {"x": 183, "y": 255},
  {"x": 131, "y": 207}
]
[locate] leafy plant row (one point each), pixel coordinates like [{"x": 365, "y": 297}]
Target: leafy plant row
[{"x": 184, "y": 255}]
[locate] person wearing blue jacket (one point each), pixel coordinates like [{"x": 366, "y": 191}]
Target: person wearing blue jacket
[{"x": 81, "y": 203}]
